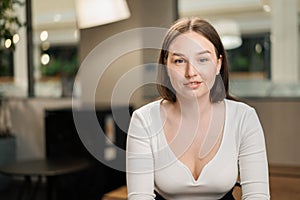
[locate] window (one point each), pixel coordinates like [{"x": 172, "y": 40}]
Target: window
[
  {"x": 60, "y": 60},
  {"x": 252, "y": 59},
  {"x": 6, "y": 63},
  {"x": 57, "y": 67}
]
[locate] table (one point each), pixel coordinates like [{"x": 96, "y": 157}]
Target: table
[
  {"x": 42, "y": 168},
  {"x": 117, "y": 194}
]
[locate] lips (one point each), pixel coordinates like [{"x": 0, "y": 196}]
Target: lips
[{"x": 193, "y": 84}]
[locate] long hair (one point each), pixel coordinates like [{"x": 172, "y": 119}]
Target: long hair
[{"x": 204, "y": 28}]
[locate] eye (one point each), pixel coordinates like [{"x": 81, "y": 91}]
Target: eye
[
  {"x": 179, "y": 61},
  {"x": 202, "y": 60}
]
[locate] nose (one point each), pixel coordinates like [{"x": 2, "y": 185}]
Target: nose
[{"x": 190, "y": 71}]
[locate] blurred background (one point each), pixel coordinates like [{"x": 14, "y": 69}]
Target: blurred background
[{"x": 43, "y": 44}]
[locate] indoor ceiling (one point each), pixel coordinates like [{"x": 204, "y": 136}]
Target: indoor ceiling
[
  {"x": 53, "y": 14},
  {"x": 250, "y": 14}
]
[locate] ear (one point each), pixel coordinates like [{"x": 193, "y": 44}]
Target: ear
[{"x": 219, "y": 64}]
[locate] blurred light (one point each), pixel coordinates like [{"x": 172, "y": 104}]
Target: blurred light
[
  {"x": 16, "y": 38},
  {"x": 57, "y": 18},
  {"x": 94, "y": 12},
  {"x": 267, "y": 8},
  {"x": 7, "y": 43},
  {"x": 76, "y": 33},
  {"x": 45, "y": 59},
  {"x": 45, "y": 46},
  {"x": 231, "y": 41},
  {"x": 258, "y": 48},
  {"x": 230, "y": 33},
  {"x": 44, "y": 35}
]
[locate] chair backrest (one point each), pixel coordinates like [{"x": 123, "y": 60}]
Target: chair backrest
[{"x": 62, "y": 139}]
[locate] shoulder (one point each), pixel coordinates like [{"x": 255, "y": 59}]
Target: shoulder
[
  {"x": 146, "y": 112},
  {"x": 242, "y": 114},
  {"x": 148, "y": 107},
  {"x": 239, "y": 112},
  {"x": 146, "y": 118},
  {"x": 238, "y": 107}
]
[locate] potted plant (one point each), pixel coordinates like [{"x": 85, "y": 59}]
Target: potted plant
[
  {"x": 64, "y": 69},
  {"x": 9, "y": 26},
  {"x": 9, "y": 21}
]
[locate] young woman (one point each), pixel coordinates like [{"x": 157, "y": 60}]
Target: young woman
[{"x": 196, "y": 141}]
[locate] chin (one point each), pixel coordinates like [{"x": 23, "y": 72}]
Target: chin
[{"x": 194, "y": 95}]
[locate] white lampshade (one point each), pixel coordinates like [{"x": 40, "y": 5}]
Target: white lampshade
[
  {"x": 98, "y": 12},
  {"x": 230, "y": 33}
]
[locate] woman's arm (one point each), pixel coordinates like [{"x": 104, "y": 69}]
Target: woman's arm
[
  {"x": 139, "y": 161},
  {"x": 253, "y": 162}
]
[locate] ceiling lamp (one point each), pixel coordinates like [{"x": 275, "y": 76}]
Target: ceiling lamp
[
  {"x": 230, "y": 33},
  {"x": 92, "y": 13}
]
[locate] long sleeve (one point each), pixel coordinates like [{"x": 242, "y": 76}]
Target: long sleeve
[
  {"x": 253, "y": 163},
  {"x": 140, "y": 177}
]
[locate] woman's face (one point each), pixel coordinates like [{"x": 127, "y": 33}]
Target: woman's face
[{"x": 192, "y": 65}]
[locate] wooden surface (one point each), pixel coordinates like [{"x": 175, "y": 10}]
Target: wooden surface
[
  {"x": 285, "y": 188},
  {"x": 285, "y": 170},
  {"x": 118, "y": 194}
]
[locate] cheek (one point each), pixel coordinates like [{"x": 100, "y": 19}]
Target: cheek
[
  {"x": 207, "y": 69},
  {"x": 173, "y": 75},
  {"x": 176, "y": 78},
  {"x": 207, "y": 72},
  {"x": 209, "y": 76},
  {"x": 211, "y": 82}
]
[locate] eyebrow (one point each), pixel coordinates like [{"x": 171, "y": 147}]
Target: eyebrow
[
  {"x": 204, "y": 52},
  {"x": 199, "y": 53}
]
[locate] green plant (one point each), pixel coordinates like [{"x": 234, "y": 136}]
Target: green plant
[
  {"x": 57, "y": 67},
  {"x": 69, "y": 68},
  {"x": 9, "y": 21}
]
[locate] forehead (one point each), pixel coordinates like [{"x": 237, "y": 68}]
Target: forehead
[{"x": 191, "y": 42}]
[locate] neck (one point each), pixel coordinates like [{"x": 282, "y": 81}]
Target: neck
[{"x": 193, "y": 107}]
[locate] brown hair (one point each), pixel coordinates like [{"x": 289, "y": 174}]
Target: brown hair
[{"x": 204, "y": 28}]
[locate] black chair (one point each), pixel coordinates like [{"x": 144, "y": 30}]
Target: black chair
[{"x": 63, "y": 142}]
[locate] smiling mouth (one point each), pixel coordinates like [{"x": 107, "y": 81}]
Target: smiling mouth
[{"x": 193, "y": 83}]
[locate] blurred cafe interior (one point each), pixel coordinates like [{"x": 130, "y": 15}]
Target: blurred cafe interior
[{"x": 73, "y": 71}]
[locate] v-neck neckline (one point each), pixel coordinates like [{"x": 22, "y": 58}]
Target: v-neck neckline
[{"x": 210, "y": 161}]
